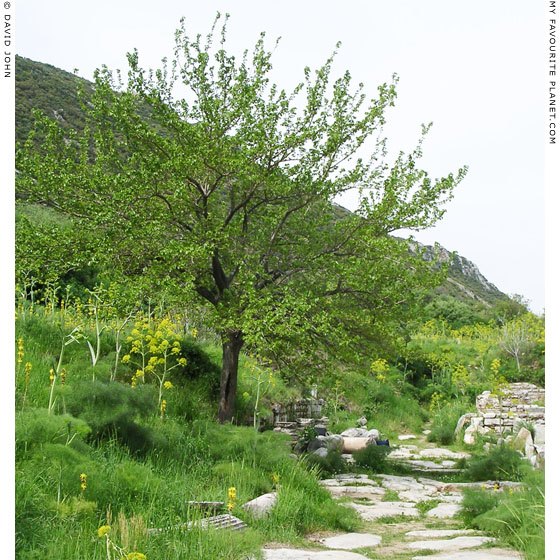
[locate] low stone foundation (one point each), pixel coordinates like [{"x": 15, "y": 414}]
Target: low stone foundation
[{"x": 519, "y": 402}]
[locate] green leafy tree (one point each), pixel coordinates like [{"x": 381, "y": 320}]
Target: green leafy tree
[{"x": 225, "y": 194}]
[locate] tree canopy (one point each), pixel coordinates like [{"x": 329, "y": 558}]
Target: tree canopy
[{"x": 226, "y": 192}]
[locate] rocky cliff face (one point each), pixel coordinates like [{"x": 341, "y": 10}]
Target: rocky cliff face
[{"x": 465, "y": 280}]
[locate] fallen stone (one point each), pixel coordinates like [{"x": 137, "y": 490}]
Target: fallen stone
[
  {"x": 353, "y": 444},
  {"x": 225, "y": 521},
  {"x": 426, "y": 432},
  {"x": 486, "y": 554},
  {"x": 404, "y": 437},
  {"x": 470, "y": 438},
  {"x": 361, "y": 421},
  {"x": 435, "y": 533},
  {"x": 462, "y": 421},
  {"x": 523, "y": 436},
  {"x": 292, "y": 554},
  {"x": 539, "y": 434},
  {"x": 261, "y": 506},
  {"x": 350, "y": 541},
  {"x": 321, "y": 452},
  {"x": 451, "y": 544},
  {"x": 373, "y": 434},
  {"x": 444, "y": 510},
  {"x": 317, "y": 443},
  {"x": 354, "y": 433},
  {"x": 334, "y": 442}
]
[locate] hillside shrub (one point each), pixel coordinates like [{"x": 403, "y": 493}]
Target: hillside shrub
[
  {"x": 199, "y": 366},
  {"x": 112, "y": 410},
  {"x": 36, "y": 427},
  {"x": 445, "y": 421},
  {"x": 477, "y": 501},
  {"x": 373, "y": 457},
  {"x": 500, "y": 463},
  {"x": 519, "y": 517},
  {"x": 333, "y": 463}
]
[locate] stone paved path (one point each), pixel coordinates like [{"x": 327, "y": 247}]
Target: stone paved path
[{"x": 398, "y": 529}]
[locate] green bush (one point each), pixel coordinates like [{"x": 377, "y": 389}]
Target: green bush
[
  {"x": 373, "y": 457},
  {"x": 199, "y": 366},
  {"x": 445, "y": 421},
  {"x": 519, "y": 518},
  {"x": 112, "y": 410},
  {"x": 333, "y": 463},
  {"x": 36, "y": 427},
  {"x": 500, "y": 463},
  {"x": 475, "y": 502}
]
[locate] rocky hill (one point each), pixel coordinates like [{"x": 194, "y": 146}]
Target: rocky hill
[{"x": 52, "y": 90}]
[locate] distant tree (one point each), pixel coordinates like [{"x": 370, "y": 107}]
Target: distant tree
[
  {"x": 227, "y": 196},
  {"x": 521, "y": 333}
]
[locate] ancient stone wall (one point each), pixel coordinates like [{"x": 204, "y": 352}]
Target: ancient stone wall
[
  {"x": 517, "y": 402},
  {"x": 303, "y": 408}
]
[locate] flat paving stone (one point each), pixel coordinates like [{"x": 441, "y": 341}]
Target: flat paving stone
[
  {"x": 404, "y": 437},
  {"x": 374, "y": 492},
  {"x": 486, "y": 554},
  {"x": 436, "y": 533},
  {"x": 438, "y": 452},
  {"x": 385, "y": 509},
  {"x": 451, "y": 544},
  {"x": 293, "y": 554},
  {"x": 443, "y": 511},
  {"x": 398, "y": 483},
  {"x": 350, "y": 541},
  {"x": 347, "y": 482}
]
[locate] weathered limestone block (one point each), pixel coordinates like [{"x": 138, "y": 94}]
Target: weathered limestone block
[
  {"x": 261, "y": 506},
  {"x": 353, "y": 444}
]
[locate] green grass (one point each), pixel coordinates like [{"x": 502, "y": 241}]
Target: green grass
[{"x": 141, "y": 469}]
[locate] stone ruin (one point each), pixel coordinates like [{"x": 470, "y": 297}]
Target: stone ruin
[
  {"x": 291, "y": 418},
  {"x": 519, "y": 402},
  {"x": 505, "y": 413}
]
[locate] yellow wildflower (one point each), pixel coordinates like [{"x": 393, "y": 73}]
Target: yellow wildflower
[
  {"x": 183, "y": 361},
  {"x": 275, "y": 478},
  {"x": 62, "y": 376},
  {"x": 194, "y": 333},
  {"x": 232, "y": 494},
  {"x": 176, "y": 344},
  {"x": 83, "y": 481},
  {"x": 125, "y": 359},
  {"x": 27, "y": 371},
  {"x": 103, "y": 530},
  {"x": 51, "y": 375},
  {"x": 163, "y": 406},
  {"x": 168, "y": 385}
]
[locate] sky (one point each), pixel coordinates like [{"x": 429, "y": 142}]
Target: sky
[{"x": 474, "y": 69}]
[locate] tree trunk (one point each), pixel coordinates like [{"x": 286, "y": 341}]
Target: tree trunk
[{"x": 231, "y": 346}]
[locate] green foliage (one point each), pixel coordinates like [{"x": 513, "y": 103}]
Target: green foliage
[
  {"x": 477, "y": 501},
  {"x": 445, "y": 420},
  {"x": 35, "y": 427},
  {"x": 373, "y": 457},
  {"x": 199, "y": 366},
  {"x": 111, "y": 409},
  {"x": 333, "y": 463},
  {"x": 500, "y": 463},
  {"x": 256, "y": 253},
  {"x": 519, "y": 517}
]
